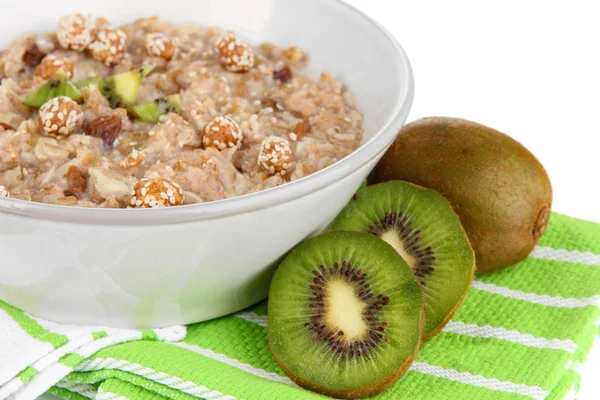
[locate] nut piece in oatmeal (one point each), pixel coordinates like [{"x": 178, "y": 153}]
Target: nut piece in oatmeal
[
  {"x": 275, "y": 156},
  {"x": 4, "y": 191},
  {"x": 109, "y": 46},
  {"x": 33, "y": 56},
  {"x": 283, "y": 74},
  {"x": 221, "y": 133},
  {"x": 51, "y": 64},
  {"x": 75, "y": 32},
  {"x": 61, "y": 116},
  {"x": 106, "y": 127},
  {"x": 6, "y": 127},
  {"x": 159, "y": 45},
  {"x": 303, "y": 128},
  {"x": 156, "y": 193},
  {"x": 295, "y": 54},
  {"x": 234, "y": 55},
  {"x": 77, "y": 181},
  {"x": 134, "y": 159}
]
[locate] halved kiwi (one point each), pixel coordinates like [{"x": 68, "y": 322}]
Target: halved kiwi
[
  {"x": 422, "y": 227},
  {"x": 345, "y": 315},
  {"x": 57, "y": 86},
  {"x": 151, "y": 111}
]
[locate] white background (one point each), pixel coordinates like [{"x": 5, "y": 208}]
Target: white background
[{"x": 530, "y": 69}]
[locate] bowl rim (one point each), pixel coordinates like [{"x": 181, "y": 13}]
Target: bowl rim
[{"x": 369, "y": 150}]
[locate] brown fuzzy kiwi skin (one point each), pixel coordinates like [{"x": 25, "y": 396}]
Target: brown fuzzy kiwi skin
[
  {"x": 500, "y": 191},
  {"x": 373, "y": 389}
]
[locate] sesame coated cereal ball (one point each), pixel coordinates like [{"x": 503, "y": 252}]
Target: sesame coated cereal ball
[
  {"x": 4, "y": 191},
  {"x": 60, "y": 116},
  {"x": 110, "y": 46},
  {"x": 75, "y": 32},
  {"x": 51, "y": 64},
  {"x": 156, "y": 193},
  {"x": 221, "y": 133},
  {"x": 159, "y": 45},
  {"x": 234, "y": 55},
  {"x": 275, "y": 156}
]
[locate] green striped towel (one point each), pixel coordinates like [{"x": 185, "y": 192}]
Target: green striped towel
[{"x": 521, "y": 334}]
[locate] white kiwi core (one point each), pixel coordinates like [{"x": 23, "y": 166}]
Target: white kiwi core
[
  {"x": 344, "y": 311},
  {"x": 392, "y": 238}
]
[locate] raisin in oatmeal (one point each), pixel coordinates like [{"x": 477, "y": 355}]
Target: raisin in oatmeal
[{"x": 153, "y": 114}]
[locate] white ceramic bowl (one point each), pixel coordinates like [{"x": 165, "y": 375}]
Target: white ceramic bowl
[{"x": 149, "y": 268}]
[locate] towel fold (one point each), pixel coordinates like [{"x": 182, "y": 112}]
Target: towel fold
[{"x": 522, "y": 333}]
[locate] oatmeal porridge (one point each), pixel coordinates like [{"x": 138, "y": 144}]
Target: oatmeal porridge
[{"x": 153, "y": 114}]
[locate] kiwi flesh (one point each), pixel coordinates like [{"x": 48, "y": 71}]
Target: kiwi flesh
[
  {"x": 90, "y": 82},
  {"x": 422, "y": 227},
  {"x": 151, "y": 111},
  {"x": 56, "y": 86},
  {"x": 500, "y": 191},
  {"x": 121, "y": 90},
  {"x": 345, "y": 315}
]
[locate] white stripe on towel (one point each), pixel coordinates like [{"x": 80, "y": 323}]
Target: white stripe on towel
[
  {"x": 542, "y": 299},
  {"x": 563, "y": 255},
  {"x": 18, "y": 349},
  {"x": 513, "y": 336},
  {"x": 82, "y": 389},
  {"x": 253, "y": 317},
  {"x": 102, "y": 395},
  {"x": 173, "y": 382},
  {"x": 535, "y": 392},
  {"x": 237, "y": 364}
]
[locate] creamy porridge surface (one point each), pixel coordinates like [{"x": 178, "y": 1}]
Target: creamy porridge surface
[{"x": 197, "y": 115}]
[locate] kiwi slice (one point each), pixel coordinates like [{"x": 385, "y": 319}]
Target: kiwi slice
[
  {"x": 422, "y": 227},
  {"x": 152, "y": 110},
  {"x": 121, "y": 90},
  {"x": 88, "y": 82},
  {"x": 57, "y": 86},
  {"x": 345, "y": 315}
]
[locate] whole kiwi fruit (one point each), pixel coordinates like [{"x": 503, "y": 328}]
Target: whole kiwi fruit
[{"x": 500, "y": 191}]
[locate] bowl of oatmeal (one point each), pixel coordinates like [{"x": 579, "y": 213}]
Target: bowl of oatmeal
[{"x": 156, "y": 164}]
